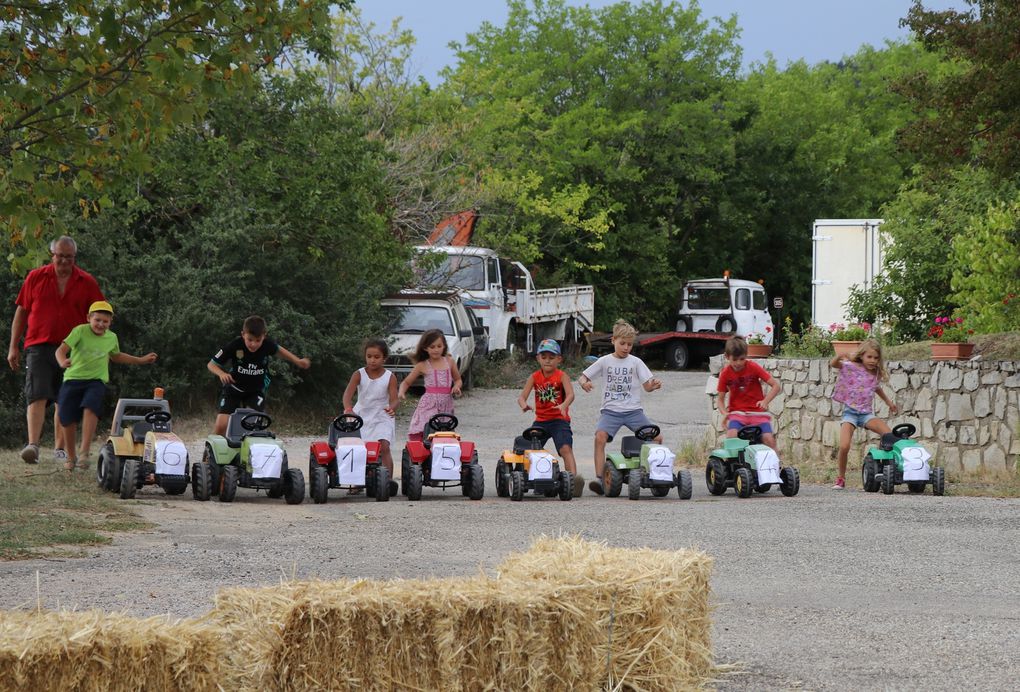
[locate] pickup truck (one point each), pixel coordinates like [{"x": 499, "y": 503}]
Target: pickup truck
[{"x": 503, "y": 295}]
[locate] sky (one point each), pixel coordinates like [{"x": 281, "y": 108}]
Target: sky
[{"x": 813, "y": 30}]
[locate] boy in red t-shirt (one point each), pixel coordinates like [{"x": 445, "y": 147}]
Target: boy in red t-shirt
[
  {"x": 553, "y": 396},
  {"x": 741, "y": 379}
]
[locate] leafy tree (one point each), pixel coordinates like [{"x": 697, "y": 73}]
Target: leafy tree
[
  {"x": 86, "y": 89},
  {"x": 275, "y": 205},
  {"x": 970, "y": 114}
]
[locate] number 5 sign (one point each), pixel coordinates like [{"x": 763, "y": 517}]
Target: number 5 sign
[{"x": 446, "y": 462}]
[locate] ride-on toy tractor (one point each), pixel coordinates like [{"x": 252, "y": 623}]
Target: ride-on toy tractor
[
  {"x": 747, "y": 465},
  {"x": 142, "y": 449},
  {"x": 441, "y": 460},
  {"x": 249, "y": 456},
  {"x": 898, "y": 459},
  {"x": 529, "y": 466},
  {"x": 344, "y": 460},
  {"x": 641, "y": 463}
]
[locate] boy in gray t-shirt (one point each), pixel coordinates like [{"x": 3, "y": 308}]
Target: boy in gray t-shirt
[{"x": 621, "y": 400}]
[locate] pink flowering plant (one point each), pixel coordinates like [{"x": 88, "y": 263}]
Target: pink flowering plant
[
  {"x": 758, "y": 338},
  {"x": 949, "y": 330},
  {"x": 854, "y": 332}
]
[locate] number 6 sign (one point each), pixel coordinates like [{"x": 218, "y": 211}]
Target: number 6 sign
[{"x": 445, "y": 461}]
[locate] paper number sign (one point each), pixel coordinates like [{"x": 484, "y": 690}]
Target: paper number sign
[
  {"x": 540, "y": 468},
  {"x": 660, "y": 463},
  {"x": 768, "y": 467},
  {"x": 266, "y": 460},
  {"x": 915, "y": 464},
  {"x": 350, "y": 464},
  {"x": 446, "y": 461}
]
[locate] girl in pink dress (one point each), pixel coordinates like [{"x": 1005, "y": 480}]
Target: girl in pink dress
[
  {"x": 442, "y": 381},
  {"x": 860, "y": 379}
]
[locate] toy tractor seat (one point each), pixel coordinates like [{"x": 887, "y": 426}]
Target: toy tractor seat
[
  {"x": 630, "y": 447},
  {"x": 235, "y": 431},
  {"x": 533, "y": 438},
  {"x": 138, "y": 431},
  {"x": 888, "y": 441}
]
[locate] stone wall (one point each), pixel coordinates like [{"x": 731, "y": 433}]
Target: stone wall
[{"x": 967, "y": 413}]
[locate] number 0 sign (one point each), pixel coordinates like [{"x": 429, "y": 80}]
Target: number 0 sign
[{"x": 540, "y": 468}]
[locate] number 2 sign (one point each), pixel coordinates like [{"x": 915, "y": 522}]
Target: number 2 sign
[{"x": 660, "y": 463}]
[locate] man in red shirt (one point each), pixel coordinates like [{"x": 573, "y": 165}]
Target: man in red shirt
[{"x": 54, "y": 299}]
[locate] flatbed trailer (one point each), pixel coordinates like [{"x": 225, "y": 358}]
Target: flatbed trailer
[{"x": 677, "y": 350}]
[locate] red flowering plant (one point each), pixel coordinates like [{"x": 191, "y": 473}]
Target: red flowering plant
[
  {"x": 759, "y": 338},
  {"x": 949, "y": 330},
  {"x": 854, "y": 332}
]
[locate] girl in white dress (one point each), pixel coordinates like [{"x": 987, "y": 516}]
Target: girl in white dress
[{"x": 376, "y": 388}]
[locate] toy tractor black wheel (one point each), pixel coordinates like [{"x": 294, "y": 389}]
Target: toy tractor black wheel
[
  {"x": 516, "y": 486},
  {"x": 502, "y": 479},
  {"x": 916, "y": 487},
  {"x": 634, "y": 480},
  {"x": 660, "y": 490},
  {"x": 889, "y": 479},
  {"x": 612, "y": 480},
  {"x": 129, "y": 479},
  {"x": 742, "y": 482},
  {"x": 476, "y": 481},
  {"x": 566, "y": 487},
  {"x": 405, "y": 471},
  {"x": 294, "y": 486},
  {"x": 715, "y": 476},
  {"x": 938, "y": 481},
  {"x": 108, "y": 469},
  {"x": 201, "y": 482},
  {"x": 791, "y": 481},
  {"x": 869, "y": 474},
  {"x": 214, "y": 469},
  {"x": 415, "y": 481},
  {"x": 176, "y": 486},
  {"x": 228, "y": 483},
  {"x": 318, "y": 484},
  {"x": 382, "y": 484},
  {"x": 684, "y": 484}
]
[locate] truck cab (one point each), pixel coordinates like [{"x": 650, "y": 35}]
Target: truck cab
[{"x": 726, "y": 306}]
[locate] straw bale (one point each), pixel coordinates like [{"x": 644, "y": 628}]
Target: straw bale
[
  {"x": 651, "y": 607},
  {"x": 91, "y": 650}
]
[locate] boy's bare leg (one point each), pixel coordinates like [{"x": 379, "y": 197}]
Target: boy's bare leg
[
  {"x": 601, "y": 438},
  {"x": 35, "y": 414},
  {"x": 58, "y": 431},
  {"x": 221, "y": 424},
  {"x": 70, "y": 431},
  {"x": 567, "y": 452},
  {"x": 89, "y": 423}
]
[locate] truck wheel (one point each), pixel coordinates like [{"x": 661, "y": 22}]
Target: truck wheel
[
  {"x": 678, "y": 356},
  {"x": 725, "y": 325}
]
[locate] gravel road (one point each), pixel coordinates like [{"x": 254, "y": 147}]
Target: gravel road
[{"x": 827, "y": 590}]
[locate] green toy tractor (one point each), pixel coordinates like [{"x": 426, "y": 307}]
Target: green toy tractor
[
  {"x": 898, "y": 459},
  {"x": 641, "y": 463},
  {"x": 748, "y": 466},
  {"x": 248, "y": 456}
]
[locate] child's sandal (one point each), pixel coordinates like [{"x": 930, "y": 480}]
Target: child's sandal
[{"x": 69, "y": 465}]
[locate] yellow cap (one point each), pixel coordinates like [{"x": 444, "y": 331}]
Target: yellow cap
[{"x": 100, "y": 306}]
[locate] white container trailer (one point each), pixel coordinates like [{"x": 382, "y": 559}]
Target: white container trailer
[{"x": 846, "y": 253}]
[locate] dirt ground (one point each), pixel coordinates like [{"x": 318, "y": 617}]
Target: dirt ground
[{"x": 827, "y": 590}]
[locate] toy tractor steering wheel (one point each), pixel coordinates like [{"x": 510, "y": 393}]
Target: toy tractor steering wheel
[
  {"x": 536, "y": 434},
  {"x": 254, "y": 422},
  {"x": 443, "y": 422},
  {"x": 348, "y": 423},
  {"x": 156, "y": 417},
  {"x": 750, "y": 433},
  {"x": 647, "y": 433},
  {"x": 904, "y": 430}
]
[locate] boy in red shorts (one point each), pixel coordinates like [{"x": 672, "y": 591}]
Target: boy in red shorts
[{"x": 740, "y": 390}]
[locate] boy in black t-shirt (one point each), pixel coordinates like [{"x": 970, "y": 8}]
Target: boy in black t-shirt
[{"x": 245, "y": 383}]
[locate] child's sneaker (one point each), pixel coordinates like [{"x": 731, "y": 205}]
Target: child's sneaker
[
  {"x": 596, "y": 487},
  {"x": 59, "y": 455},
  {"x": 840, "y": 484},
  {"x": 30, "y": 454},
  {"x": 578, "y": 487}
]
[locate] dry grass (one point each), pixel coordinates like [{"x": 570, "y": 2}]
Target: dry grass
[
  {"x": 95, "y": 651},
  {"x": 1005, "y": 346}
]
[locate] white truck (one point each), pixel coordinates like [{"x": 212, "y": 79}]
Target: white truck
[
  {"x": 503, "y": 295},
  {"x": 845, "y": 253}
]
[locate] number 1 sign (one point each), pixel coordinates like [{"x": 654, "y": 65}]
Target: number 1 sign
[{"x": 350, "y": 464}]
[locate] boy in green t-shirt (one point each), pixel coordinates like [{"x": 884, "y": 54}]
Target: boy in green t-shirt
[{"x": 85, "y": 355}]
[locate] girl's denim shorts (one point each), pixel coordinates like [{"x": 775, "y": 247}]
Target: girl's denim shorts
[{"x": 856, "y": 418}]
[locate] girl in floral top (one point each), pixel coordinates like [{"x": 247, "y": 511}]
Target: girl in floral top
[{"x": 860, "y": 379}]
